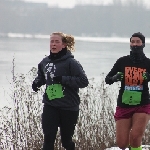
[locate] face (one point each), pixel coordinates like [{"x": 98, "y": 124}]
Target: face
[
  {"x": 135, "y": 41},
  {"x": 56, "y": 43}
]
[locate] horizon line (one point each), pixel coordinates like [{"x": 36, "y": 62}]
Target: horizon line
[{"x": 78, "y": 38}]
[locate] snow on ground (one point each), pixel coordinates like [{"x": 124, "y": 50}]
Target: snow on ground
[
  {"x": 115, "y": 148},
  {"x": 144, "y": 147}
]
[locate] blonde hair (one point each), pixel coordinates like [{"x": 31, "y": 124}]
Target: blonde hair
[{"x": 67, "y": 39}]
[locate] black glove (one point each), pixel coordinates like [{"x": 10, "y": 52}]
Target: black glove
[
  {"x": 117, "y": 77},
  {"x": 35, "y": 86},
  {"x": 57, "y": 79},
  {"x": 146, "y": 76}
]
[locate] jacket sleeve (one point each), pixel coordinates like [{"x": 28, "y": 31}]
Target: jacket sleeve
[
  {"x": 113, "y": 72},
  {"x": 78, "y": 78},
  {"x": 40, "y": 79}
]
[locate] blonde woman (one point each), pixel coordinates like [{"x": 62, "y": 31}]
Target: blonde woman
[{"x": 63, "y": 76}]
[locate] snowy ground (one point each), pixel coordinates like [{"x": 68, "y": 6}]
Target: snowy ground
[
  {"x": 144, "y": 147},
  {"x": 115, "y": 148}
]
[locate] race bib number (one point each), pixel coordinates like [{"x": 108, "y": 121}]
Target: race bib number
[
  {"x": 131, "y": 97},
  {"x": 54, "y": 91}
]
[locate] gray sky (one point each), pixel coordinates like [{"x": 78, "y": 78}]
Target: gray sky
[{"x": 71, "y": 3}]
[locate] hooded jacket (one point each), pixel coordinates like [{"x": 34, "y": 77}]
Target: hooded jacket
[{"x": 62, "y": 95}]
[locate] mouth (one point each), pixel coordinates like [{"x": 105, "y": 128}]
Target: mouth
[{"x": 53, "y": 49}]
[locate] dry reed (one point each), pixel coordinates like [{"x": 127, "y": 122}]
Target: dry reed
[{"x": 20, "y": 123}]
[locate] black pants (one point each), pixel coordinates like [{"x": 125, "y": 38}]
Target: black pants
[{"x": 52, "y": 118}]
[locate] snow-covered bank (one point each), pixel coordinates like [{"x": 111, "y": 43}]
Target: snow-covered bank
[{"x": 144, "y": 147}]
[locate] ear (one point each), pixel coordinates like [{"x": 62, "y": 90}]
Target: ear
[{"x": 64, "y": 45}]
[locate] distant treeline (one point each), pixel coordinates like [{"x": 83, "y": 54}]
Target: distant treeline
[{"x": 88, "y": 20}]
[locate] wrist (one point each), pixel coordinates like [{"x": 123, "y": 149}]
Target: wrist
[{"x": 113, "y": 79}]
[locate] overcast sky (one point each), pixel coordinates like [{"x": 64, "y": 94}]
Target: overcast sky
[{"x": 71, "y": 3}]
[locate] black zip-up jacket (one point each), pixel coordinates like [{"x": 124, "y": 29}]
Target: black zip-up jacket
[
  {"x": 134, "y": 90},
  {"x": 62, "y": 95}
]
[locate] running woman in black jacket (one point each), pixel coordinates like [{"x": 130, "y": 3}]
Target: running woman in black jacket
[
  {"x": 133, "y": 103},
  {"x": 63, "y": 76}
]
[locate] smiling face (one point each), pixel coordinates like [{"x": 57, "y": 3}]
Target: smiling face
[{"x": 56, "y": 43}]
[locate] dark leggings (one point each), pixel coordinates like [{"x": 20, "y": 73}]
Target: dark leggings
[{"x": 52, "y": 118}]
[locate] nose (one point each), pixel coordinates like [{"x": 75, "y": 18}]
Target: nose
[{"x": 134, "y": 44}]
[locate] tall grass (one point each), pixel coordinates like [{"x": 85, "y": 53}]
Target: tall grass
[{"x": 20, "y": 122}]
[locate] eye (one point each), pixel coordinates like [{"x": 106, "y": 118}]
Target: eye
[
  {"x": 132, "y": 41},
  {"x": 51, "y": 41}
]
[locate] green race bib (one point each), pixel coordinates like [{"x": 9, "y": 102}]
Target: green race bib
[
  {"x": 131, "y": 97},
  {"x": 54, "y": 91}
]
